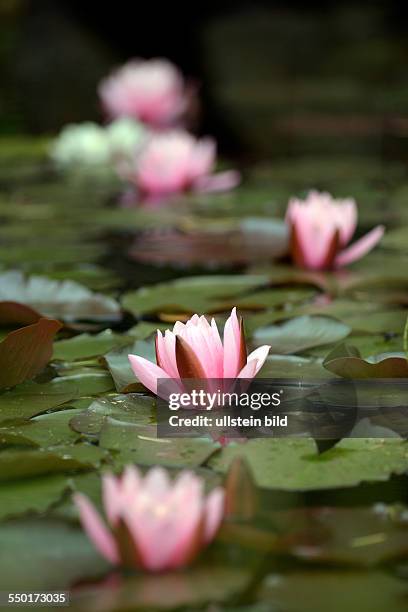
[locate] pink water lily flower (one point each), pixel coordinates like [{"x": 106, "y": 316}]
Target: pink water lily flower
[
  {"x": 195, "y": 350},
  {"x": 173, "y": 162},
  {"x": 152, "y": 523},
  {"x": 321, "y": 228},
  {"x": 152, "y": 91}
]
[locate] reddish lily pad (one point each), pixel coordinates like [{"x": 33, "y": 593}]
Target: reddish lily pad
[
  {"x": 209, "y": 248},
  {"x": 346, "y": 361},
  {"x": 26, "y": 351},
  {"x": 13, "y": 313}
]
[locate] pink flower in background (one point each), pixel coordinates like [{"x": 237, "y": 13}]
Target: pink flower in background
[
  {"x": 195, "y": 350},
  {"x": 321, "y": 227},
  {"x": 154, "y": 524},
  {"x": 152, "y": 91},
  {"x": 173, "y": 162}
]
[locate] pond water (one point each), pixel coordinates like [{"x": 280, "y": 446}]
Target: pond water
[{"x": 320, "y": 526}]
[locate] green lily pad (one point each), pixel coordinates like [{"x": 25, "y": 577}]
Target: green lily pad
[
  {"x": 31, "y": 494},
  {"x": 129, "y": 409},
  {"x": 294, "y": 464},
  {"x": 197, "y": 587},
  {"x": 201, "y": 294},
  {"x": 139, "y": 444},
  {"x": 87, "y": 345},
  {"x": 29, "y": 399},
  {"x": 119, "y": 365},
  {"x": 272, "y": 298},
  {"x": 31, "y": 256},
  {"x": 293, "y": 366},
  {"x": 396, "y": 239},
  {"x": 377, "y": 322},
  {"x": 335, "y": 590},
  {"x": 85, "y": 381},
  {"x": 17, "y": 463},
  {"x": 301, "y": 333},
  {"x": 364, "y": 537},
  {"x": 44, "y": 430},
  {"x": 42, "y": 555},
  {"x": 367, "y": 344}
]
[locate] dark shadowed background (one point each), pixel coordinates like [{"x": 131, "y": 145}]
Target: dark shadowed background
[{"x": 274, "y": 77}]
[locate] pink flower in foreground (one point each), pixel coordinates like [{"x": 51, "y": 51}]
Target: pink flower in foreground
[
  {"x": 152, "y": 91},
  {"x": 174, "y": 162},
  {"x": 321, "y": 227},
  {"x": 194, "y": 350},
  {"x": 154, "y": 524}
]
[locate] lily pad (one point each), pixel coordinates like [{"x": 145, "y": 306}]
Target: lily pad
[
  {"x": 254, "y": 242},
  {"x": 301, "y": 333},
  {"x": 363, "y": 537},
  {"x": 87, "y": 345},
  {"x": 26, "y": 351},
  {"x": 29, "y": 399},
  {"x": 17, "y": 463},
  {"x": 294, "y": 464},
  {"x": 346, "y": 361},
  {"x": 201, "y": 294},
  {"x": 44, "y": 430},
  {"x": 66, "y": 300},
  {"x": 140, "y": 444},
  {"x": 59, "y": 555},
  {"x": 85, "y": 381},
  {"x": 335, "y": 590},
  {"x": 293, "y": 366},
  {"x": 31, "y": 495},
  {"x": 133, "y": 408},
  {"x": 377, "y": 322},
  {"x": 197, "y": 587},
  {"x": 119, "y": 366}
]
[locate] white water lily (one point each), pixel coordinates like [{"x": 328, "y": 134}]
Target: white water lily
[
  {"x": 91, "y": 146},
  {"x": 125, "y": 137},
  {"x": 81, "y": 144}
]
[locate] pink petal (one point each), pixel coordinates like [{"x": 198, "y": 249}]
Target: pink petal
[
  {"x": 164, "y": 519},
  {"x": 131, "y": 483},
  {"x": 147, "y": 372},
  {"x": 248, "y": 371},
  {"x": 214, "y": 512},
  {"x": 255, "y": 361},
  {"x": 218, "y": 350},
  {"x": 360, "y": 248},
  {"x": 167, "y": 353},
  {"x": 112, "y": 497},
  {"x": 222, "y": 181},
  {"x": 156, "y": 484},
  {"x": 232, "y": 339},
  {"x": 346, "y": 219},
  {"x": 202, "y": 158},
  {"x": 314, "y": 242},
  {"x": 97, "y": 532}
]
